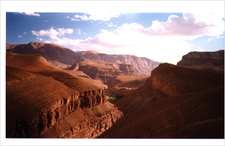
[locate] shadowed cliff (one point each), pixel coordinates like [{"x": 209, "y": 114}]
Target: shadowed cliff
[
  {"x": 42, "y": 101},
  {"x": 175, "y": 102}
]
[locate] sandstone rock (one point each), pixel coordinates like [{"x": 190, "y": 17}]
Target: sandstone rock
[
  {"x": 61, "y": 57},
  {"x": 193, "y": 107},
  {"x": 144, "y": 65},
  {"x": 103, "y": 71},
  {"x": 203, "y": 58},
  {"x": 170, "y": 80},
  {"x": 51, "y": 52},
  {"x": 51, "y": 97}
]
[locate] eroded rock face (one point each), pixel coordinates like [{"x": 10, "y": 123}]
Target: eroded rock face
[
  {"x": 104, "y": 71},
  {"x": 86, "y": 99},
  {"x": 61, "y": 57},
  {"x": 171, "y": 80},
  {"x": 36, "y": 118},
  {"x": 144, "y": 65},
  {"x": 175, "y": 102},
  {"x": 89, "y": 123},
  {"x": 51, "y": 52},
  {"x": 202, "y": 58},
  {"x": 41, "y": 99}
]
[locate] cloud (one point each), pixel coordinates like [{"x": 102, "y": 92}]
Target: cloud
[
  {"x": 78, "y": 31},
  {"x": 162, "y": 41},
  {"x": 20, "y": 36},
  {"x": 157, "y": 41},
  {"x": 189, "y": 25},
  {"x": 103, "y": 16},
  {"x": 30, "y": 13},
  {"x": 125, "y": 40},
  {"x": 53, "y": 33},
  {"x": 111, "y": 24}
]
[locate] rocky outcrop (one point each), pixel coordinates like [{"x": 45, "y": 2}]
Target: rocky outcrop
[
  {"x": 104, "y": 71},
  {"x": 57, "y": 55},
  {"x": 175, "y": 102},
  {"x": 202, "y": 59},
  {"x": 61, "y": 57},
  {"x": 144, "y": 65},
  {"x": 128, "y": 69},
  {"x": 170, "y": 80},
  {"x": 89, "y": 123},
  {"x": 39, "y": 98},
  {"x": 36, "y": 116},
  {"x": 191, "y": 115},
  {"x": 65, "y": 107}
]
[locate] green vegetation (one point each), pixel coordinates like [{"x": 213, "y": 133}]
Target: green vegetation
[{"x": 113, "y": 98}]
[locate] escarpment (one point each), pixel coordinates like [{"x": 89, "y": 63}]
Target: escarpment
[
  {"x": 175, "y": 102},
  {"x": 104, "y": 71},
  {"x": 206, "y": 61},
  {"x": 202, "y": 58},
  {"x": 62, "y": 58},
  {"x": 144, "y": 65},
  {"x": 73, "y": 117},
  {"x": 85, "y": 123},
  {"x": 40, "y": 98},
  {"x": 37, "y": 111},
  {"x": 170, "y": 80}
]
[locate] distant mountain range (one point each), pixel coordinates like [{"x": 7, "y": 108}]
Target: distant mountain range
[
  {"x": 62, "y": 58},
  {"x": 104, "y": 71}
]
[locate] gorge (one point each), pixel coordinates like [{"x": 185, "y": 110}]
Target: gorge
[{"x": 49, "y": 95}]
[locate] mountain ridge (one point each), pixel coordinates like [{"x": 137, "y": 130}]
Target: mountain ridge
[
  {"x": 175, "y": 102},
  {"x": 62, "y": 57}
]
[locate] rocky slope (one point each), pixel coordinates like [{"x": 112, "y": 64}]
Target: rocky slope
[
  {"x": 42, "y": 101},
  {"x": 202, "y": 58},
  {"x": 104, "y": 71},
  {"x": 57, "y": 55},
  {"x": 170, "y": 80},
  {"x": 61, "y": 57},
  {"x": 175, "y": 102},
  {"x": 144, "y": 65}
]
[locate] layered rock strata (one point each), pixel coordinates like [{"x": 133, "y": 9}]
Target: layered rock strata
[
  {"x": 104, "y": 71},
  {"x": 61, "y": 57},
  {"x": 29, "y": 115},
  {"x": 170, "y": 80},
  {"x": 202, "y": 58},
  {"x": 39, "y": 98},
  {"x": 175, "y": 102}
]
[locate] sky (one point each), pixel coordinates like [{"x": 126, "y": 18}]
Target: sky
[{"x": 160, "y": 36}]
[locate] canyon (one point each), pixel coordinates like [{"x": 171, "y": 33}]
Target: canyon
[
  {"x": 53, "y": 97},
  {"x": 48, "y": 97},
  {"x": 175, "y": 102}
]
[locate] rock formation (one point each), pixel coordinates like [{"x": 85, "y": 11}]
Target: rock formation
[
  {"x": 208, "y": 61},
  {"x": 175, "y": 102},
  {"x": 169, "y": 80},
  {"x": 104, "y": 71},
  {"x": 203, "y": 58},
  {"x": 57, "y": 55},
  {"x": 42, "y": 101},
  {"x": 61, "y": 57},
  {"x": 144, "y": 65}
]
